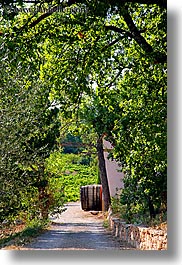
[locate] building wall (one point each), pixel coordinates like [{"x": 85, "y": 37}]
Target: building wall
[{"x": 115, "y": 177}]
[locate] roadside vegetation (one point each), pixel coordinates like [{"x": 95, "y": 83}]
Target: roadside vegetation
[
  {"x": 68, "y": 173},
  {"x": 15, "y": 236}
]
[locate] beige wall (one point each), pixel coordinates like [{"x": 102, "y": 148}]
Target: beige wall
[{"x": 114, "y": 176}]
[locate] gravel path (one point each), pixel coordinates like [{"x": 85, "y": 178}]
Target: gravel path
[{"x": 76, "y": 230}]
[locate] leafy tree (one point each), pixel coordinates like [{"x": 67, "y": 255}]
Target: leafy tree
[
  {"x": 140, "y": 135},
  {"x": 29, "y": 131},
  {"x": 110, "y": 55}
]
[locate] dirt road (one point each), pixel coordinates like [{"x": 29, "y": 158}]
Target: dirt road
[{"x": 76, "y": 230}]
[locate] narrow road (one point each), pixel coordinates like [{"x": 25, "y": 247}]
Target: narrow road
[{"x": 76, "y": 230}]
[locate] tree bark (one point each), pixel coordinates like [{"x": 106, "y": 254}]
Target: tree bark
[
  {"x": 44, "y": 202},
  {"x": 103, "y": 174},
  {"x": 151, "y": 208}
]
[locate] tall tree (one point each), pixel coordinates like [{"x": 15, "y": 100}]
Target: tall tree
[
  {"x": 29, "y": 130},
  {"x": 106, "y": 46}
]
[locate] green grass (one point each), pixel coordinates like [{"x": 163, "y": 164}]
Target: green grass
[{"x": 32, "y": 230}]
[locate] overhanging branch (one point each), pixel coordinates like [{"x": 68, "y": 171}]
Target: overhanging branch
[
  {"x": 136, "y": 35},
  {"x": 161, "y": 3},
  {"x": 49, "y": 13},
  {"x": 124, "y": 33}
]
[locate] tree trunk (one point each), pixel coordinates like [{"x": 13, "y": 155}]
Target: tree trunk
[
  {"x": 151, "y": 209},
  {"x": 103, "y": 174},
  {"x": 44, "y": 202}
]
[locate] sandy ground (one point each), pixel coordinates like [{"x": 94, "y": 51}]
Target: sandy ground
[{"x": 76, "y": 229}]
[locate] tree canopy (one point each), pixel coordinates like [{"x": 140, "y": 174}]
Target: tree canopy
[{"x": 98, "y": 64}]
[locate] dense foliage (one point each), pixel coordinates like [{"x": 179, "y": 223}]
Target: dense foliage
[
  {"x": 141, "y": 146},
  {"x": 29, "y": 128},
  {"x": 97, "y": 68}
]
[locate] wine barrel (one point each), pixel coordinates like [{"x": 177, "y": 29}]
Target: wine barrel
[{"x": 91, "y": 197}]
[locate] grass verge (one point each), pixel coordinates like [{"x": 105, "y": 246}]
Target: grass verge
[{"x": 19, "y": 239}]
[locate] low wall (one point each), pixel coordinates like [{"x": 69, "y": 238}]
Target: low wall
[{"x": 142, "y": 238}]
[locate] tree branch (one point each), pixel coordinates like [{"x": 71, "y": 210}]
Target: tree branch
[
  {"x": 161, "y": 3},
  {"x": 135, "y": 32},
  {"x": 50, "y": 12},
  {"x": 161, "y": 58},
  {"x": 136, "y": 35},
  {"x": 119, "y": 30},
  {"x": 112, "y": 82},
  {"x": 43, "y": 16}
]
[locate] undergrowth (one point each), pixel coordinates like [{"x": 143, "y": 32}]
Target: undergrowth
[
  {"x": 138, "y": 218},
  {"x": 24, "y": 236}
]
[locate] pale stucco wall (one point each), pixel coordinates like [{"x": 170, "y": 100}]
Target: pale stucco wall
[{"x": 114, "y": 176}]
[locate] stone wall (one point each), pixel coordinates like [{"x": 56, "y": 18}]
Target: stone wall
[{"x": 142, "y": 238}]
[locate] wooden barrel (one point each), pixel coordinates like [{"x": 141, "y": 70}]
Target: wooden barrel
[{"x": 91, "y": 197}]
